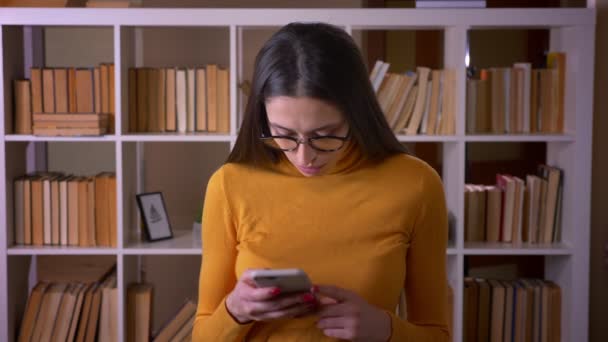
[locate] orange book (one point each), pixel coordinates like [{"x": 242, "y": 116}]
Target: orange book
[
  {"x": 161, "y": 86},
  {"x": 73, "y": 238},
  {"x": 27, "y": 211},
  {"x": 201, "y": 100},
  {"x": 111, "y": 91},
  {"x": 97, "y": 84},
  {"x": 102, "y": 232},
  {"x": 111, "y": 188},
  {"x": 90, "y": 184},
  {"x": 83, "y": 213},
  {"x": 557, "y": 60},
  {"x": 223, "y": 101},
  {"x": 212, "y": 105},
  {"x": 85, "y": 92},
  {"x": 48, "y": 91},
  {"x": 32, "y": 309},
  {"x": 132, "y": 100},
  {"x": 55, "y": 211},
  {"x": 37, "y": 212},
  {"x": 142, "y": 100},
  {"x": 170, "y": 102},
  {"x": 61, "y": 90},
  {"x": 105, "y": 88},
  {"x": 151, "y": 94},
  {"x": 36, "y": 78},
  {"x": 23, "y": 108},
  {"x": 72, "y": 90}
]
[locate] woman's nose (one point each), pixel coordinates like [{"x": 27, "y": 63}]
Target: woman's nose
[{"x": 305, "y": 154}]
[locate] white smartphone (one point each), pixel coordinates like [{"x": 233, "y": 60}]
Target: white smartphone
[{"x": 288, "y": 280}]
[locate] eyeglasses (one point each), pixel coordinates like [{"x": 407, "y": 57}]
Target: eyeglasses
[{"x": 326, "y": 143}]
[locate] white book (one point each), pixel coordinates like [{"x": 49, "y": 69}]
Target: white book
[
  {"x": 190, "y": 103},
  {"x": 437, "y": 128},
  {"x": 527, "y": 67},
  {"x": 63, "y": 212},
  {"x": 375, "y": 70},
  {"x": 19, "y": 212},
  {"x": 380, "y": 77},
  {"x": 46, "y": 193},
  {"x": 180, "y": 99}
]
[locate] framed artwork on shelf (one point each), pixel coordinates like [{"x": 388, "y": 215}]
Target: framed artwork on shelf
[{"x": 154, "y": 216}]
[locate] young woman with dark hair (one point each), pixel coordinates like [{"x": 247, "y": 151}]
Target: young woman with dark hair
[{"x": 318, "y": 181}]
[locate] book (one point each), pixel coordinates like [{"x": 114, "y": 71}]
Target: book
[
  {"x": 174, "y": 325},
  {"x": 32, "y": 310},
  {"x": 23, "y": 107},
  {"x": 139, "y": 312}
]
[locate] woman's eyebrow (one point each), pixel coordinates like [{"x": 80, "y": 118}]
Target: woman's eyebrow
[{"x": 324, "y": 127}]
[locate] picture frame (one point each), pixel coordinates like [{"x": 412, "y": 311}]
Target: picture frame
[{"x": 154, "y": 216}]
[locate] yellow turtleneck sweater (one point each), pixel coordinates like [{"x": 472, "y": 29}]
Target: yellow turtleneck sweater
[{"x": 361, "y": 227}]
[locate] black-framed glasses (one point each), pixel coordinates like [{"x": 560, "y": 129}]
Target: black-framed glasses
[{"x": 325, "y": 143}]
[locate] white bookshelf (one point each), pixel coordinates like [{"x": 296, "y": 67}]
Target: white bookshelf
[{"x": 571, "y": 31}]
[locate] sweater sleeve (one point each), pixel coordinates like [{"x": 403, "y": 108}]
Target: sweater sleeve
[
  {"x": 426, "y": 280},
  {"x": 213, "y": 322}
]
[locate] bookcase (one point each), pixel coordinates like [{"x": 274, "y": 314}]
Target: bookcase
[{"x": 129, "y": 155}]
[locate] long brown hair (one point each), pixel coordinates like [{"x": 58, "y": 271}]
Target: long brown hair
[{"x": 320, "y": 61}]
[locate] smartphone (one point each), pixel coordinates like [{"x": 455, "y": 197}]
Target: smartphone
[{"x": 288, "y": 280}]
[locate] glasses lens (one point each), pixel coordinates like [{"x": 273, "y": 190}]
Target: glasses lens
[
  {"x": 327, "y": 143},
  {"x": 281, "y": 143}
]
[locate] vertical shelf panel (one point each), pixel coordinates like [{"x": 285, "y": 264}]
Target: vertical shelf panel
[{"x": 453, "y": 167}]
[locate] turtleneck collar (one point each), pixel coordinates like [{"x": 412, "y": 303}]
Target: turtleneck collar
[{"x": 350, "y": 160}]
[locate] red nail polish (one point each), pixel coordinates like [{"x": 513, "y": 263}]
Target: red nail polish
[
  {"x": 308, "y": 298},
  {"x": 275, "y": 291},
  {"x": 315, "y": 288}
]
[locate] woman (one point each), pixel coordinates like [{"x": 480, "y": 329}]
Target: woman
[{"x": 318, "y": 181}]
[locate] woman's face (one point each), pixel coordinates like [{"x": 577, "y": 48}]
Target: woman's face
[{"x": 302, "y": 118}]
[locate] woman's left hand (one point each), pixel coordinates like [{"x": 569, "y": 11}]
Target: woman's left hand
[{"x": 345, "y": 315}]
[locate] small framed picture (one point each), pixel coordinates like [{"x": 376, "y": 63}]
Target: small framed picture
[{"x": 154, "y": 216}]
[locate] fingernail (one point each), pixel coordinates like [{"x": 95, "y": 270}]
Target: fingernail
[
  {"x": 308, "y": 298},
  {"x": 275, "y": 291},
  {"x": 315, "y": 288}
]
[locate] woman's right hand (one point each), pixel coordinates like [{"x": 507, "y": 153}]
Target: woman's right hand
[{"x": 248, "y": 303}]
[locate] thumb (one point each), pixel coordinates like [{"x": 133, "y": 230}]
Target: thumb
[
  {"x": 327, "y": 301},
  {"x": 334, "y": 292}
]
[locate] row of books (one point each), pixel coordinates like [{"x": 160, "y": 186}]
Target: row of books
[
  {"x": 518, "y": 99},
  {"x": 179, "y": 100},
  {"x": 72, "y": 311},
  {"x": 63, "y": 91},
  {"x": 511, "y": 310},
  {"x": 515, "y": 210},
  {"x": 65, "y": 210},
  {"x": 421, "y": 102},
  {"x": 139, "y": 318}
]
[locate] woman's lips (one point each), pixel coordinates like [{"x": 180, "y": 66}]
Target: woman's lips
[{"x": 310, "y": 170}]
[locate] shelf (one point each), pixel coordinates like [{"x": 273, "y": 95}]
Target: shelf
[
  {"x": 60, "y": 250},
  {"x": 33, "y": 138},
  {"x": 497, "y": 248},
  {"x": 169, "y": 137},
  {"x": 519, "y": 138},
  {"x": 264, "y": 17},
  {"x": 182, "y": 243},
  {"x": 427, "y": 138}
]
